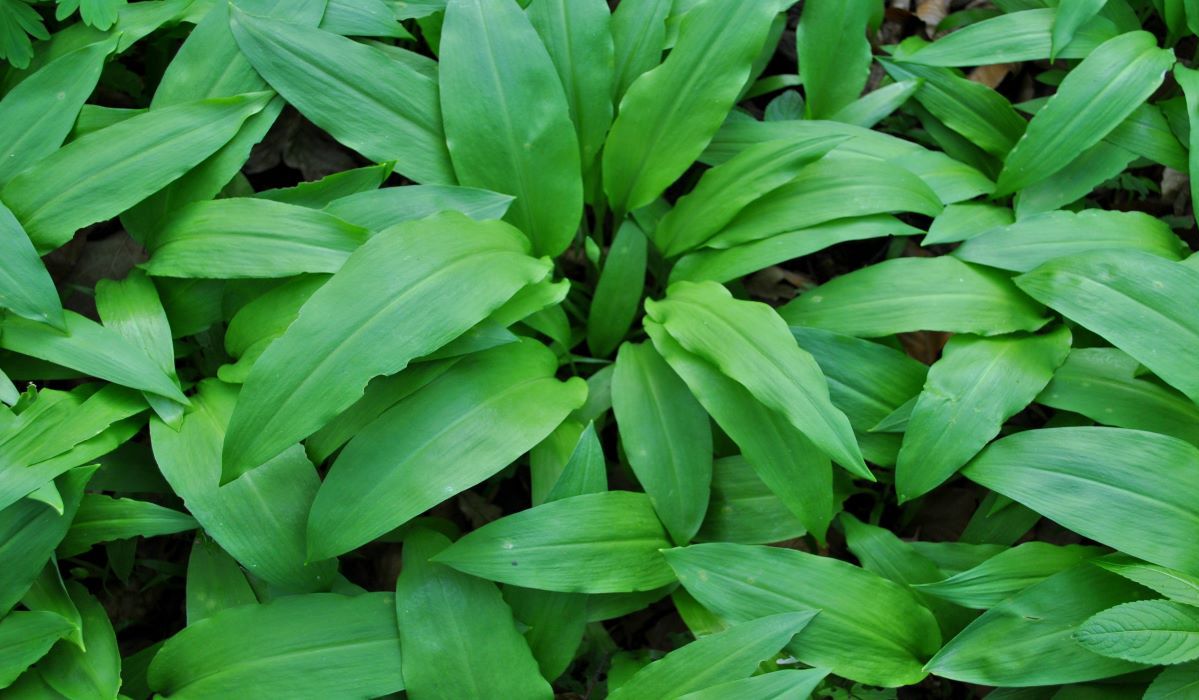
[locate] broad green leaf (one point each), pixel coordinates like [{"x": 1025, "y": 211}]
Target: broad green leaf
[
  {"x": 666, "y": 437},
  {"x": 321, "y": 193},
  {"x": 25, "y": 637},
  {"x": 976, "y": 385},
  {"x": 786, "y": 461},
  {"x": 413, "y": 457},
  {"x": 585, "y": 470},
  {"x": 723, "y": 191},
  {"x": 1071, "y": 16},
  {"x": 1037, "y": 239},
  {"x": 363, "y": 18},
  {"x": 25, "y": 287},
  {"x": 125, "y": 163},
  {"x": 443, "y": 615},
  {"x": 597, "y": 543},
  {"x": 508, "y": 121},
  {"x": 834, "y": 53},
  {"x": 245, "y": 237},
  {"x": 730, "y": 263},
  {"x": 877, "y": 105},
  {"x": 275, "y": 648},
  {"x": 1147, "y": 133},
  {"x": 48, "y": 593},
  {"x": 883, "y": 643},
  {"x": 1131, "y": 490},
  {"x": 1109, "y": 84},
  {"x": 724, "y": 656},
  {"x": 90, "y": 348},
  {"x": 29, "y": 532},
  {"x": 1012, "y": 37},
  {"x": 952, "y": 180},
  {"x": 618, "y": 291},
  {"x": 1007, "y": 573},
  {"x": 347, "y": 332},
  {"x": 1101, "y": 384},
  {"x": 103, "y": 519},
  {"x": 380, "y": 209},
  {"x": 670, "y": 113},
  {"x": 1142, "y": 304},
  {"x": 214, "y": 581},
  {"x": 835, "y": 187},
  {"x": 1146, "y": 631},
  {"x": 37, "y": 115},
  {"x": 576, "y": 33},
  {"x": 1175, "y": 585},
  {"x": 751, "y": 344},
  {"x": 743, "y": 509},
  {"x": 556, "y": 624},
  {"x": 259, "y": 519},
  {"x": 639, "y": 35},
  {"x": 93, "y": 671},
  {"x": 1078, "y": 178},
  {"x": 777, "y": 685},
  {"x": 1034, "y": 629},
  {"x": 1188, "y": 80},
  {"x": 960, "y": 222},
  {"x": 333, "y": 81},
  {"x": 911, "y": 294},
  {"x": 1174, "y": 683}
]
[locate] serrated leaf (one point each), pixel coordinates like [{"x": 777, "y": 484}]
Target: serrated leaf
[{"x": 1146, "y": 631}]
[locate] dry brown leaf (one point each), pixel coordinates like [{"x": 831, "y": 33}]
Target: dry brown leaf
[
  {"x": 931, "y": 12},
  {"x": 776, "y": 284},
  {"x": 991, "y": 75}
]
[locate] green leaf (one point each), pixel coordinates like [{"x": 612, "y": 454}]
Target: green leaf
[
  {"x": 380, "y": 209},
  {"x": 413, "y": 457},
  {"x": 49, "y": 594},
  {"x": 1146, "y": 631},
  {"x": 835, "y": 187},
  {"x": 597, "y": 543},
  {"x": 214, "y": 581},
  {"x": 666, "y": 437},
  {"x": 1128, "y": 489},
  {"x": 1109, "y": 84},
  {"x": 332, "y": 80},
  {"x": 25, "y": 637},
  {"x": 1012, "y": 37},
  {"x": 1007, "y": 573},
  {"x": 244, "y": 237},
  {"x": 94, "y": 673},
  {"x": 347, "y": 333},
  {"x": 770, "y": 686},
  {"x": 1142, "y": 304},
  {"x": 1071, "y": 16},
  {"x": 576, "y": 34},
  {"x": 1188, "y": 80},
  {"x": 37, "y": 115},
  {"x": 725, "y": 190},
  {"x": 670, "y": 113},
  {"x": 25, "y": 287},
  {"x": 1034, "y": 629},
  {"x": 271, "y": 648},
  {"x": 1101, "y": 384},
  {"x": 265, "y": 533},
  {"x": 508, "y": 121},
  {"x": 786, "y": 461},
  {"x": 363, "y": 18},
  {"x": 1037, "y": 239},
  {"x": 743, "y": 509},
  {"x": 728, "y": 655},
  {"x": 104, "y": 519},
  {"x": 125, "y": 163},
  {"x": 442, "y": 615},
  {"x": 884, "y": 643},
  {"x": 318, "y": 194},
  {"x": 976, "y": 385},
  {"x": 585, "y": 470},
  {"x": 750, "y": 343},
  {"x": 911, "y": 294},
  {"x": 834, "y": 53},
  {"x": 1170, "y": 583},
  {"x": 876, "y": 105},
  {"x": 639, "y": 35},
  {"x": 1174, "y": 683},
  {"x": 960, "y": 222},
  {"x": 618, "y": 291},
  {"x": 90, "y": 348}
]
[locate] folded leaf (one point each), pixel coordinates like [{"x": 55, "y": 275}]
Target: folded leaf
[
  {"x": 442, "y": 616},
  {"x": 1007, "y": 573},
  {"x": 597, "y": 543},
  {"x": 670, "y": 113},
  {"x": 388, "y": 304},
  {"x": 334, "y": 82},
  {"x": 1144, "y": 305},
  {"x": 90, "y": 671},
  {"x": 1131, "y": 490},
  {"x": 1147, "y": 632},
  {"x": 272, "y": 648},
  {"x": 25, "y": 287},
  {"x": 25, "y": 637},
  {"x": 618, "y": 291},
  {"x": 884, "y": 643},
  {"x": 508, "y": 121},
  {"x": 125, "y": 163},
  {"x": 910, "y": 294}
]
